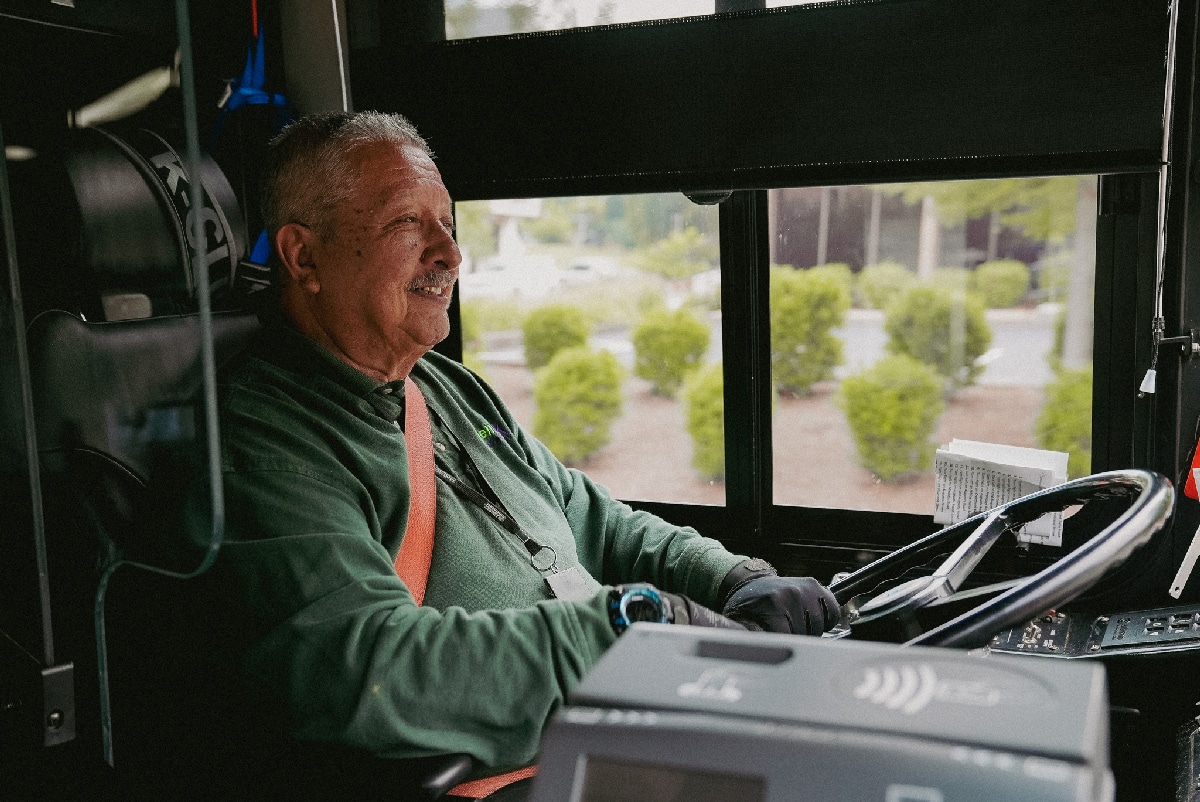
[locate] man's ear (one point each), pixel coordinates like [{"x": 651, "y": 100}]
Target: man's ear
[{"x": 294, "y": 244}]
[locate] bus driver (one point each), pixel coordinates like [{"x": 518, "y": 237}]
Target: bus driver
[{"x": 404, "y": 586}]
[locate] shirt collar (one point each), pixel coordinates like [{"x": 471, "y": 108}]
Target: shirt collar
[{"x": 288, "y": 346}]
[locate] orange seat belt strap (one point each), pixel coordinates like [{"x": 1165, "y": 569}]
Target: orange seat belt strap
[
  {"x": 476, "y": 789},
  {"x": 416, "y": 549}
]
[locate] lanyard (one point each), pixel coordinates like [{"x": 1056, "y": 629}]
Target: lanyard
[{"x": 541, "y": 557}]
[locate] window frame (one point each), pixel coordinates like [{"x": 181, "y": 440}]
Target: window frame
[{"x": 402, "y": 66}]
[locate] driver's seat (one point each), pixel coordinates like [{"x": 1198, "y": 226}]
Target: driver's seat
[
  {"x": 119, "y": 419},
  {"x": 115, "y": 406}
]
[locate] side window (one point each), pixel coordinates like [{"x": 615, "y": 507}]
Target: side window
[
  {"x": 597, "y": 320},
  {"x": 469, "y": 18},
  {"x": 907, "y": 315}
]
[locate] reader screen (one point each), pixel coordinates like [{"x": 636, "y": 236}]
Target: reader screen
[{"x": 607, "y": 779}]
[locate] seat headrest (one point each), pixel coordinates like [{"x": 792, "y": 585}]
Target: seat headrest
[{"x": 125, "y": 388}]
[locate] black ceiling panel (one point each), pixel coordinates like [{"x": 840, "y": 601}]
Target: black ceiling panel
[{"x": 838, "y": 92}]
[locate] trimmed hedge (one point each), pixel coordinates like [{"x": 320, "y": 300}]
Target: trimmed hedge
[
  {"x": 550, "y": 329},
  {"x": 1065, "y": 422},
  {"x": 578, "y": 396},
  {"x": 1002, "y": 283},
  {"x": 669, "y": 346},
  {"x": 704, "y": 414},
  {"x": 879, "y": 284},
  {"x": 839, "y": 271},
  {"x": 921, "y": 322},
  {"x": 893, "y": 409},
  {"x": 806, "y": 306},
  {"x": 955, "y": 279}
]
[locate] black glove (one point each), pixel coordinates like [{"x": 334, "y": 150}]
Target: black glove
[
  {"x": 796, "y": 604},
  {"x": 686, "y": 611}
]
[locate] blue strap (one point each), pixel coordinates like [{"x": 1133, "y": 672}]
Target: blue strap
[
  {"x": 250, "y": 90},
  {"x": 262, "y": 249}
]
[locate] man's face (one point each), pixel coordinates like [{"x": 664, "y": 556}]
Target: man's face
[{"x": 387, "y": 269}]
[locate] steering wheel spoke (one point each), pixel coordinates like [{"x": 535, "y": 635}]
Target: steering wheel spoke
[{"x": 893, "y": 614}]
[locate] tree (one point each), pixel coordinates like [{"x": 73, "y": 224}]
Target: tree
[
  {"x": 474, "y": 229},
  {"x": 1042, "y": 208},
  {"x": 680, "y": 255},
  {"x": 650, "y": 218},
  {"x": 1054, "y": 209}
]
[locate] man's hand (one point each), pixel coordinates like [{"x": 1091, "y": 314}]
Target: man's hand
[
  {"x": 796, "y": 604},
  {"x": 686, "y": 611}
]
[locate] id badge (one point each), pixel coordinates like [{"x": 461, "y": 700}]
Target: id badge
[{"x": 569, "y": 585}]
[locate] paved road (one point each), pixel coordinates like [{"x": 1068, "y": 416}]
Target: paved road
[{"x": 1017, "y": 356}]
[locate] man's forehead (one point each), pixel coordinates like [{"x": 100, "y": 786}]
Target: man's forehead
[
  {"x": 389, "y": 167},
  {"x": 394, "y": 157}
]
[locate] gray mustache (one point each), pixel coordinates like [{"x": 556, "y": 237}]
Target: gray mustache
[{"x": 440, "y": 277}]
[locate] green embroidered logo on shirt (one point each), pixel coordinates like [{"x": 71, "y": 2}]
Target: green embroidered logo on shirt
[{"x": 489, "y": 431}]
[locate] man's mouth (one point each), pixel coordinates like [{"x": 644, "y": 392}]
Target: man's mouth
[
  {"x": 437, "y": 292},
  {"x": 437, "y": 285}
]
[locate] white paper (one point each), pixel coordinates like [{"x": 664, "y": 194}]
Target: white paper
[{"x": 973, "y": 477}]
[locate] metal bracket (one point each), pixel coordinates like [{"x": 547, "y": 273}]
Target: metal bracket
[
  {"x": 58, "y": 704},
  {"x": 1189, "y": 343}
]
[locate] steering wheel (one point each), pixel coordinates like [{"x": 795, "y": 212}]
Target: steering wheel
[{"x": 1023, "y": 600}]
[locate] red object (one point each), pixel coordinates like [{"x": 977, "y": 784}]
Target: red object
[
  {"x": 416, "y": 550},
  {"x": 254, "y": 17},
  {"x": 1189, "y": 487}
]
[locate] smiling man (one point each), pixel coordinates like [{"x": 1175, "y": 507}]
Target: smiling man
[{"x": 348, "y": 446}]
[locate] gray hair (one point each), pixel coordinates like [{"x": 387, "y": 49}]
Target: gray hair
[{"x": 308, "y": 173}]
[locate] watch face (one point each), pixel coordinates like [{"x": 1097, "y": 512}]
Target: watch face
[{"x": 642, "y": 607}]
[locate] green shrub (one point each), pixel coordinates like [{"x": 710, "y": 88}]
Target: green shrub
[
  {"x": 941, "y": 328},
  {"x": 1055, "y": 355},
  {"x": 954, "y": 279},
  {"x": 893, "y": 408},
  {"x": 551, "y": 328},
  {"x": 704, "y": 414},
  {"x": 668, "y": 346},
  {"x": 806, "y": 306},
  {"x": 1065, "y": 422},
  {"x": 578, "y": 396},
  {"x": 1002, "y": 283},
  {"x": 839, "y": 271},
  {"x": 491, "y": 315},
  {"x": 1054, "y": 277},
  {"x": 472, "y": 328},
  {"x": 472, "y": 337},
  {"x": 880, "y": 283}
]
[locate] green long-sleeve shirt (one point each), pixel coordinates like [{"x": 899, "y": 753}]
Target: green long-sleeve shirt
[{"x": 317, "y": 497}]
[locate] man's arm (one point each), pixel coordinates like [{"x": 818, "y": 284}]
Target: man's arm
[{"x": 330, "y": 635}]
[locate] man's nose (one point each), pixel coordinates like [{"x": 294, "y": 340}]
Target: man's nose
[{"x": 445, "y": 249}]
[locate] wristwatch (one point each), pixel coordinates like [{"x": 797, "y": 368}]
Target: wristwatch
[{"x": 628, "y": 604}]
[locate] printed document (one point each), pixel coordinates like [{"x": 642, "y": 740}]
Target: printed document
[{"x": 973, "y": 477}]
